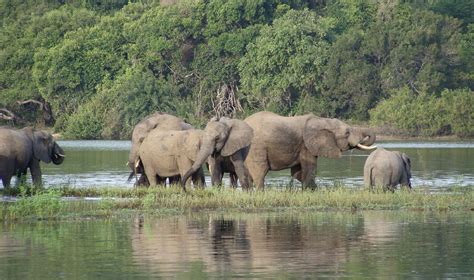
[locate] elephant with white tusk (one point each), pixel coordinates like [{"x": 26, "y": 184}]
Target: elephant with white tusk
[
  {"x": 297, "y": 142},
  {"x": 21, "y": 149},
  {"x": 387, "y": 169}
]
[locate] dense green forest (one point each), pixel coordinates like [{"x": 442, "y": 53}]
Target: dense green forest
[{"x": 93, "y": 69}]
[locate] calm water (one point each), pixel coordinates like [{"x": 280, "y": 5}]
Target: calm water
[
  {"x": 295, "y": 245},
  {"x": 436, "y": 165}
]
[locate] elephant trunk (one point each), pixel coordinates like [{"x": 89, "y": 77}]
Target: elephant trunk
[
  {"x": 206, "y": 149},
  {"x": 367, "y": 140},
  {"x": 57, "y": 154},
  {"x": 132, "y": 156}
]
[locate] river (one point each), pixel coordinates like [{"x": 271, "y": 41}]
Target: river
[
  {"x": 435, "y": 165},
  {"x": 279, "y": 245}
]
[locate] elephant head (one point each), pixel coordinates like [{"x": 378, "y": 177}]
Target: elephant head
[
  {"x": 44, "y": 147},
  {"x": 224, "y": 136},
  {"x": 330, "y": 137}
]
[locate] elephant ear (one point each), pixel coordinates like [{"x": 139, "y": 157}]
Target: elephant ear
[
  {"x": 319, "y": 138},
  {"x": 240, "y": 136},
  {"x": 41, "y": 142}
]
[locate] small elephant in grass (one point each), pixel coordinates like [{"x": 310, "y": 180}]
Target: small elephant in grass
[
  {"x": 171, "y": 153},
  {"x": 387, "y": 169},
  {"x": 21, "y": 149},
  {"x": 160, "y": 121},
  {"x": 220, "y": 163}
]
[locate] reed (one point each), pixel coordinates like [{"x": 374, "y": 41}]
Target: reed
[{"x": 77, "y": 202}]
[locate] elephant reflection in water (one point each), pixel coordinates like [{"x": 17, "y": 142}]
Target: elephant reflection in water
[{"x": 225, "y": 244}]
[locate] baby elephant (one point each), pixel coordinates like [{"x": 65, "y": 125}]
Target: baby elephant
[{"x": 387, "y": 169}]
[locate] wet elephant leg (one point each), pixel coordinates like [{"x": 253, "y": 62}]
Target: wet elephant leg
[
  {"x": 308, "y": 167},
  {"x": 241, "y": 171}
]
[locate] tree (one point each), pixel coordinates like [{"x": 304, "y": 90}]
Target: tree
[{"x": 286, "y": 60}]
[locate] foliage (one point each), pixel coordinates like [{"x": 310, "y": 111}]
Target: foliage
[
  {"x": 43, "y": 204},
  {"x": 104, "y": 65},
  {"x": 286, "y": 59},
  {"x": 428, "y": 115}
]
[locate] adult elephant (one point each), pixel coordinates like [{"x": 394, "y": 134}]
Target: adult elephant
[
  {"x": 297, "y": 142},
  {"x": 159, "y": 121},
  {"x": 183, "y": 152},
  {"x": 233, "y": 163},
  {"x": 387, "y": 169},
  {"x": 23, "y": 149}
]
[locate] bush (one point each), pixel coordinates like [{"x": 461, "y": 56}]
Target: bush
[{"x": 427, "y": 115}]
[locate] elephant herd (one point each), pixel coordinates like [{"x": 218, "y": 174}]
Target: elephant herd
[{"x": 165, "y": 147}]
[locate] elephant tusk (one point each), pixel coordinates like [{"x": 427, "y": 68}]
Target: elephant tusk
[
  {"x": 364, "y": 147},
  {"x": 61, "y": 155}
]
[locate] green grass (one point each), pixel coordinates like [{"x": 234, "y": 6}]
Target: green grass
[{"x": 52, "y": 203}]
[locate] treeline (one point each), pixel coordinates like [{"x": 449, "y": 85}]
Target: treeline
[{"x": 93, "y": 69}]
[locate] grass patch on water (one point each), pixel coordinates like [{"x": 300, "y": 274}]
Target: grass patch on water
[{"x": 57, "y": 203}]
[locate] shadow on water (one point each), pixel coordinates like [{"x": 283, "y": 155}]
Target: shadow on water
[{"x": 264, "y": 245}]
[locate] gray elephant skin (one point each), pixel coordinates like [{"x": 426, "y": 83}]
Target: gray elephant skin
[
  {"x": 171, "y": 153},
  {"x": 159, "y": 121},
  {"x": 220, "y": 163},
  {"x": 21, "y": 149},
  {"x": 297, "y": 142},
  {"x": 387, "y": 169}
]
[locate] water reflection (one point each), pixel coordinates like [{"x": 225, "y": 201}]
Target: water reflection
[
  {"x": 262, "y": 245},
  {"x": 435, "y": 165}
]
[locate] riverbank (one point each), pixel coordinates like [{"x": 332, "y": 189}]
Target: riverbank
[{"x": 96, "y": 202}]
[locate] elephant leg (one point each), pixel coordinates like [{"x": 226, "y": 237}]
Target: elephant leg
[
  {"x": 6, "y": 181},
  {"x": 216, "y": 173},
  {"x": 296, "y": 172},
  {"x": 35, "y": 171},
  {"x": 184, "y": 165},
  {"x": 233, "y": 181},
  {"x": 258, "y": 173},
  {"x": 241, "y": 172},
  {"x": 198, "y": 179},
  {"x": 151, "y": 175},
  {"x": 308, "y": 166}
]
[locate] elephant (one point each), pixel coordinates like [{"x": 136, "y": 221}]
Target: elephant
[
  {"x": 387, "y": 169},
  {"x": 21, "y": 149},
  {"x": 158, "y": 120},
  {"x": 296, "y": 142},
  {"x": 220, "y": 163},
  {"x": 171, "y": 153}
]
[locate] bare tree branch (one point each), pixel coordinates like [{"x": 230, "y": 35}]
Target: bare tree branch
[
  {"x": 7, "y": 115},
  {"x": 31, "y": 101},
  {"x": 44, "y": 107},
  {"x": 226, "y": 104}
]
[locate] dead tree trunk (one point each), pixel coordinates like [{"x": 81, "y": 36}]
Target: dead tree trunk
[
  {"x": 8, "y": 115},
  {"x": 44, "y": 107},
  {"x": 226, "y": 104}
]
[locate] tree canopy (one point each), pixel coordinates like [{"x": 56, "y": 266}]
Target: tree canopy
[{"x": 102, "y": 66}]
